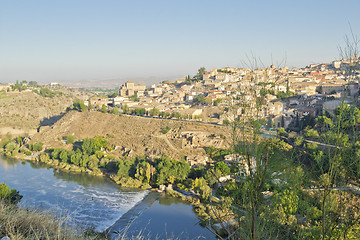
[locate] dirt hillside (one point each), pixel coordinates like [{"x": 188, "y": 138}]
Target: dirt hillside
[
  {"x": 21, "y": 113},
  {"x": 135, "y": 136}
]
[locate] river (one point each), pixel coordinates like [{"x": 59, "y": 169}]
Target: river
[{"x": 92, "y": 201}]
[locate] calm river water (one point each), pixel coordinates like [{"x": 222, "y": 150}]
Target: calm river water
[{"x": 96, "y": 201}]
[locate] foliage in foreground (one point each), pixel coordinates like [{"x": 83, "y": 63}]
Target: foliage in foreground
[
  {"x": 19, "y": 223},
  {"x": 9, "y": 196}
]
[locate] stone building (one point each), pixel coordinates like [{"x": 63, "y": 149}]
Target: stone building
[{"x": 131, "y": 88}]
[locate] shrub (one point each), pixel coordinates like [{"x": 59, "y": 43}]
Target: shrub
[
  {"x": 311, "y": 133},
  {"x": 9, "y": 195},
  {"x": 226, "y": 122},
  {"x": 44, "y": 157},
  {"x": 165, "y": 130},
  {"x": 282, "y": 133},
  {"x": 35, "y": 147},
  {"x": 70, "y": 139},
  {"x": 79, "y": 105}
]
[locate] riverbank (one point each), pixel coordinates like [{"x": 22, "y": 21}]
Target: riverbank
[{"x": 141, "y": 204}]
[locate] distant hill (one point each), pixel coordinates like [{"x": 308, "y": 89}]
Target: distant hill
[
  {"x": 23, "y": 112},
  {"x": 117, "y": 82}
]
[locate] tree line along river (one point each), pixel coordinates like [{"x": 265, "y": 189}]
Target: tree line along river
[{"x": 92, "y": 201}]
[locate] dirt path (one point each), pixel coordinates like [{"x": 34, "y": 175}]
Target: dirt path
[{"x": 168, "y": 142}]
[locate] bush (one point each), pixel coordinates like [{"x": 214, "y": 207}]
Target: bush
[
  {"x": 154, "y": 112},
  {"x": 9, "y": 195},
  {"x": 165, "y": 130},
  {"x": 282, "y": 133},
  {"x": 70, "y": 139},
  {"x": 311, "y": 133},
  {"x": 11, "y": 147},
  {"x": 45, "y": 92},
  {"x": 79, "y": 105},
  {"x": 115, "y": 110},
  {"x": 226, "y": 122},
  {"x": 35, "y": 147},
  {"x": 44, "y": 157}
]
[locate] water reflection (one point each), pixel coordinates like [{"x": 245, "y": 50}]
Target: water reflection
[{"x": 9, "y": 162}]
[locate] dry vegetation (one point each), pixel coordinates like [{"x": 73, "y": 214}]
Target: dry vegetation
[
  {"x": 18, "y": 223},
  {"x": 137, "y": 135}
]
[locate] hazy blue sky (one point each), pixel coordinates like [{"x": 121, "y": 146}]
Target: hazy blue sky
[{"x": 76, "y": 40}]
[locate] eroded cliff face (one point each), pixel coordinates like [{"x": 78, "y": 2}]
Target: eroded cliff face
[{"x": 134, "y": 136}]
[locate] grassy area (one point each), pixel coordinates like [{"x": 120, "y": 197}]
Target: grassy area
[{"x": 19, "y": 223}]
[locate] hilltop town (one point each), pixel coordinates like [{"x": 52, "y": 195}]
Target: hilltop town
[
  {"x": 291, "y": 99},
  {"x": 292, "y": 95}
]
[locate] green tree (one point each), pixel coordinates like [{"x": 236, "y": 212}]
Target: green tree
[
  {"x": 93, "y": 162},
  {"x": 79, "y": 105},
  {"x": 45, "y": 92},
  {"x": 199, "y": 99},
  {"x": 33, "y": 84},
  {"x": 154, "y": 112},
  {"x": 217, "y": 101},
  {"x": 134, "y": 98},
  {"x": 324, "y": 122},
  {"x": 87, "y": 146},
  {"x": 36, "y": 147},
  {"x": 124, "y": 167},
  {"x": 226, "y": 122},
  {"x": 168, "y": 168},
  {"x": 350, "y": 116},
  {"x": 70, "y": 139},
  {"x": 222, "y": 167},
  {"x": 63, "y": 156},
  {"x": 113, "y": 95},
  {"x": 143, "y": 171},
  {"x": 11, "y": 147},
  {"x": 165, "y": 130},
  {"x": 103, "y": 108},
  {"x": 188, "y": 79},
  {"x": 99, "y": 143},
  {"x": 19, "y": 86},
  {"x": 76, "y": 158},
  {"x": 44, "y": 157},
  {"x": 263, "y": 92},
  {"x": 177, "y": 115},
  {"x": 140, "y": 111},
  {"x": 282, "y": 133},
  {"x": 115, "y": 110},
  {"x": 311, "y": 133},
  {"x": 9, "y": 195},
  {"x": 199, "y": 75},
  {"x": 125, "y": 109},
  {"x": 200, "y": 185}
]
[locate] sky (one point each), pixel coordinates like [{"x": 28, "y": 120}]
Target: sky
[{"x": 81, "y": 40}]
